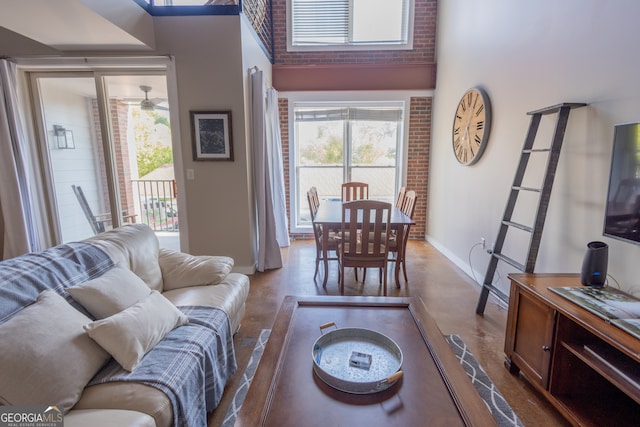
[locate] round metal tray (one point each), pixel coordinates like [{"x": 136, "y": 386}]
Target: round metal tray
[{"x": 356, "y": 360}]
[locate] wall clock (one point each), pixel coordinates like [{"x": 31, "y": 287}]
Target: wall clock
[{"x": 471, "y": 126}]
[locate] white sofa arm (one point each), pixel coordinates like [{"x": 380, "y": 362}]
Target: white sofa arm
[{"x": 180, "y": 270}]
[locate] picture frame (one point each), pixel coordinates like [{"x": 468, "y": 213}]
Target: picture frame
[{"x": 211, "y": 135}]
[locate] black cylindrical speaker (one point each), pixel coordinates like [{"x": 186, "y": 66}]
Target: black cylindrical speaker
[{"x": 594, "y": 265}]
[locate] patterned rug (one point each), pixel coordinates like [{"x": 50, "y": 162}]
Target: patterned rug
[
  {"x": 499, "y": 408},
  {"x": 243, "y": 387}
]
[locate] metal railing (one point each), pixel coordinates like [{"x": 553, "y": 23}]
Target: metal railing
[{"x": 157, "y": 203}]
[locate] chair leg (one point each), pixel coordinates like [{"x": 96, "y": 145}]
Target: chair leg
[
  {"x": 404, "y": 271},
  {"x": 384, "y": 286},
  {"x": 316, "y": 272}
]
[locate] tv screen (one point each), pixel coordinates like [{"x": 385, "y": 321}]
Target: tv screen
[{"x": 622, "y": 214}]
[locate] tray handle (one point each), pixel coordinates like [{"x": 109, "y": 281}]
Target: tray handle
[
  {"x": 327, "y": 325},
  {"x": 395, "y": 377}
]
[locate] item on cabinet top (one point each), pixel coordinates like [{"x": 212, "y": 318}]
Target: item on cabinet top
[
  {"x": 594, "y": 265},
  {"x": 610, "y": 304}
]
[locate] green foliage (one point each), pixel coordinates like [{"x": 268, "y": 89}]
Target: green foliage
[
  {"x": 153, "y": 140},
  {"x": 151, "y": 156},
  {"x": 327, "y": 153}
]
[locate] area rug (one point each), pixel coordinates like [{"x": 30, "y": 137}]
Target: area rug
[
  {"x": 492, "y": 397},
  {"x": 499, "y": 408},
  {"x": 245, "y": 382}
]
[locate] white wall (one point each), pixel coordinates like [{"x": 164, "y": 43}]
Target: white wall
[
  {"x": 211, "y": 76},
  {"x": 527, "y": 56},
  {"x": 78, "y": 166}
]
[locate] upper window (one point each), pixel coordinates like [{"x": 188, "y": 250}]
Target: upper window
[{"x": 349, "y": 24}]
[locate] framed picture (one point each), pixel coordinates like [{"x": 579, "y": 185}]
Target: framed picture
[{"x": 211, "y": 135}]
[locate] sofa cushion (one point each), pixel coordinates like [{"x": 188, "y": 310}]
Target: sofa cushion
[
  {"x": 46, "y": 357},
  {"x": 107, "y": 418},
  {"x": 135, "y": 245},
  {"x": 110, "y": 293},
  {"x": 181, "y": 270},
  {"x": 131, "y": 396},
  {"x": 130, "y": 334},
  {"x": 229, "y": 296}
]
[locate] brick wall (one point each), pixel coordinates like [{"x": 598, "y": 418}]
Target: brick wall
[
  {"x": 418, "y": 160},
  {"x": 424, "y": 42},
  {"x": 119, "y": 119}
]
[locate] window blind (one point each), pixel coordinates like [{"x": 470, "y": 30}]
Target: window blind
[
  {"x": 320, "y": 21},
  {"x": 352, "y": 113},
  {"x": 331, "y": 22}
]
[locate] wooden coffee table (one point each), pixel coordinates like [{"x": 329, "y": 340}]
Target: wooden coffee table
[{"x": 434, "y": 390}]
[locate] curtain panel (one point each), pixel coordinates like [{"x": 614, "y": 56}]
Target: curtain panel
[{"x": 268, "y": 175}]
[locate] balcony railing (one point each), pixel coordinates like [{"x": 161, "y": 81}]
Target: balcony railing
[{"x": 156, "y": 201}]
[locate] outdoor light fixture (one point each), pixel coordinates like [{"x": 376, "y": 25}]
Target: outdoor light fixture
[{"x": 64, "y": 137}]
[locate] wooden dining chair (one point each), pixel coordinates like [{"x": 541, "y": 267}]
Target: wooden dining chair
[
  {"x": 399, "y": 256},
  {"x": 400, "y": 197},
  {"x": 369, "y": 248},
  {"x": 354, "y": 191},
  {"x": 314, "y": 203}
]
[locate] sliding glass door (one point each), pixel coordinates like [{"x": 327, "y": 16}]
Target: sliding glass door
[{"x": 107, "y": 158}]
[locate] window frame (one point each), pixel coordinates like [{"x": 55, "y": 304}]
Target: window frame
[
  {"x": 347, "y": 46},
  {"x": 354, "y": 99},
  {"x": 32, "y": 69}
]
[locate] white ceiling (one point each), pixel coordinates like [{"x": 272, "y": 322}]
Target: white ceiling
[
  {"x": 74, "y": 25},
  {"x": 56, "y": 27}
]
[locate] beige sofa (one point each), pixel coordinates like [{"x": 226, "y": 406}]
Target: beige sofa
[{"x": 88, "y": 281}]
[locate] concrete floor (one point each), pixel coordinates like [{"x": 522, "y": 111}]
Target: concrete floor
[{"x": 448, "y": 293}]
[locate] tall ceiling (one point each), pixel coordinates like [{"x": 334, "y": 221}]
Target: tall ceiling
[{"x": 36, "y": 27}]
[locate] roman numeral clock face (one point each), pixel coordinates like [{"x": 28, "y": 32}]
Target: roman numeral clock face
[{"x": 471, "y": 126}]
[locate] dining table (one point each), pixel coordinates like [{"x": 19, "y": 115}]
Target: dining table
[{"x": 329, "y": 217}]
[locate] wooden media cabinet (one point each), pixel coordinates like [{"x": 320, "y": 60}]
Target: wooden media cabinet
[{"x": 585, "y": 366}]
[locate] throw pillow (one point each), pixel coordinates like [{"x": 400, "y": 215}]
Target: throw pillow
[
  {"x": 114, "y": 291},
  {"x": 130, "y": 334},
  {"x": 46, "y": 357},
  {"x": 180, "y": 270}
]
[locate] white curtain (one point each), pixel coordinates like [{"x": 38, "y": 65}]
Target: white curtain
[
  {"x": 19, "y": 224},
  {"x": 268, "y": 174}
]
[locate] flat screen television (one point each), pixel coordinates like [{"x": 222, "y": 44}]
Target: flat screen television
[{"x": 622, "y": 213}]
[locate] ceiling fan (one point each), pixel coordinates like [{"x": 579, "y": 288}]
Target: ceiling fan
[{"x": 149, "y": 105}]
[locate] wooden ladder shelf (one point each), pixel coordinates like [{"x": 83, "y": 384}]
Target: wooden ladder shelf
[{"x": 553, "y": 153}]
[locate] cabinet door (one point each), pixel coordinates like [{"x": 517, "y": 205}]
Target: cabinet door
[{"x": 529, "y": 340}]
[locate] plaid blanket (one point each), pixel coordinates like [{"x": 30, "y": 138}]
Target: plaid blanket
[
  {"x": 24, "y": 277},
  {"x": 191, "y": 365}
]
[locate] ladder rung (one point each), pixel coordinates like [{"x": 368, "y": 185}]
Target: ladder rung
[
  {"x": 504, "y": 297},
  {"x": 520, "y": 226},
  {"x": 536, "y": 190},
  {"x": 537, "y": 150},
  {"x": 509, "y": 261},
  {"x": 557, "y": 107}
]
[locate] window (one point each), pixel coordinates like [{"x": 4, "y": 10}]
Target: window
[
  {"x": 120, "y": 159},
  {"x": 349, "y": 24},
  {"x": 335, "y": 143}
]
